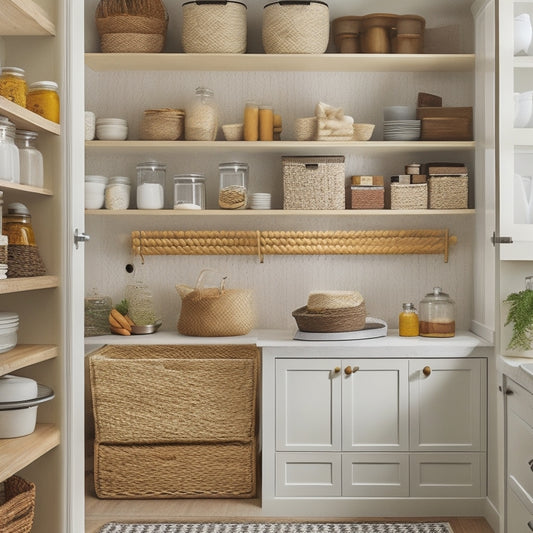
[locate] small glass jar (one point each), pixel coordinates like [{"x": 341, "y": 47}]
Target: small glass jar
[
  {"x": 17, "y": 225},
  {"x": 266, "y": 123},
  {"x": 13, "y": 85},
  {"x": 189, "y": 191},
  {"x": 233, "y": 192},
  {"x": 251, "y": 122},
  {"x": 43, "y": 99},
  {"x": 141, "y": 307},
  {"x": 9, "y": 152},
  {"x": 201, "y": 117},
  {"x": 97, "y": 309},
  {"x": 30, "y": 158},
  {"x": 437, "y": 315},
  {"x": 117, "y": 193},
  {"x": 94, "y": 191},
  {"x": 151, "y": 185},
  {"x": 408, "y": 321}
]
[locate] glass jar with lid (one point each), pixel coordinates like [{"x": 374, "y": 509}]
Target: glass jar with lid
[
  {"x": 30, "y": 158},
  {"x": 233, "y": 191},
  {"x": 17, "y": 225},
  {"x": 13, "y": 85},
  {"x": 189, "y": 191},
  {"x": 43, "y": 99},
  {"x": 408, "y": 321},
  {"x": 151, "y": 185},
  {"x": 95, "y": 191},
  {"x": 9, "y": 152},
  {"x": 437, "y": 314},
  {"x": 117, "y": 193},
  {"x": 97, "y": 309},
  {"x": 201, "y": 116}
]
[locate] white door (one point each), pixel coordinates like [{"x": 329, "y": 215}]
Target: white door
[
  {"x": 447, "y": 404},
  {"x": 308, "y": 404},
  {"x": 375, "y": 405}
]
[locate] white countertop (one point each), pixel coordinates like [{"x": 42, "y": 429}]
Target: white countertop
[{"x": 512, "y": 368}]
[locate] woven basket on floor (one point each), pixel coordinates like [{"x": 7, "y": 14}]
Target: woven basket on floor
[
  {"x": 331, "y": 320},
  {"x": 24, "y": 261},
  {"x": 17, "y": 505}
]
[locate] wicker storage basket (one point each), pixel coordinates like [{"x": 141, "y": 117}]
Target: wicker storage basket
[
  {"x": 295, "y": 27},
  {"x": 24, "y": 261},
  {"x": 414, "y": 196},
  {"x": 163, "y": 124},
  {"x": 331, "y": 320},
  {"x": 211, "y": 26},
  {"x": 140, "y": 27},
  {"x": 313, "y": 182},
  {"x": 223, "y": 470},
  {"x": 361, "y": 197},
  {"x": 448, "y": 192},
  {"x": 168, "y": 394},
  {"x": 17, "y": 505}
]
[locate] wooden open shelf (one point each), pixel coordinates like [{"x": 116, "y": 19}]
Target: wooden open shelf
[
  {"x": 24, "y": 17},
  {"x": 25, "y": 119},
  {"x": 11, "y": 285},
  {"x": 8, "y": 186},
  {"x": 17, "y": 453},
  {"x": 24, "y": 355}
]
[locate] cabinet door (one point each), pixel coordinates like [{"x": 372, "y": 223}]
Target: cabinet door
[
  {"x": 308, "y": 410},
  {"x": 447, "y": 404},
  {"x": 519, "y": 519},
  {"x": 375, "y": 404}
]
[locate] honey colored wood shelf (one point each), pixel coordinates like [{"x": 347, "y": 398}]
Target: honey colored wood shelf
[
  {"x": 6, "y": 185},
  {"x": 25, "y": 119},
  {"x": 18, "y": 453},
  {"x": 24, "y": 355},
  {"x": 284, "y": 62},
  {"x": 24, "y": 17},
  {"x": 11, "y": 285}
]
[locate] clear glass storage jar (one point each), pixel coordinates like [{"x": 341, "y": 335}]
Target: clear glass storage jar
[
  {"x": 30, "y": 158},
  {"x": 437, "y": 315},
  {"x": 43, "y": 99},
  {"x": 408, "y": 321},
  {"x": 189, "y": 191},
  {"x": 201, "y": 116},
  {"x": 94, "y": 191},
  {"x": 117, "y": 193},
  {"x": 17, "y": 225},
  {"x": 13, "y": 85},
  {"x": 9, "y": 152},
  {"x": 97, "y": 309},
  {"x": 151, "y": 185},
  {"x": 233, "y": 192}
]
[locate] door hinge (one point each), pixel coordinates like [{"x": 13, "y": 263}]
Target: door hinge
[{"x": 496, "y": 239}]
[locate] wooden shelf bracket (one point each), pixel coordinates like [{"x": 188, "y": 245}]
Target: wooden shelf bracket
[{"x": 261, "y": 243}]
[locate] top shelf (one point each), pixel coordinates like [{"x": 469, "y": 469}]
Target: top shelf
[
  {"x": 24, "y": 17},
  {"x": 283, "y": 62}
]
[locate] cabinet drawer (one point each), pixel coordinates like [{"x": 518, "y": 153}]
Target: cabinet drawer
[
  {"x": 453, "y": 475},
  {"x": 520, "y": 450},
  {"x": 308, "y": 474},
  {"x": 519, "y": 518},
  {"x": 375, "y": 474}
]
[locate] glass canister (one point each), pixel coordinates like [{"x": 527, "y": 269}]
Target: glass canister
[
  {"x": 13, "y": 85},
  {"x": 97, "y": 309},
  {"x": 233, "y": 192},
  {"x": 189, "y": 191},
  {"x": 30, "y": 158},
  {"x": 9, "y": 152},
  {"x": 251, "y": 122},
  {"x": 117, "y": 193},
  {"x": 94, "y": 191},
  {"x": 43, "y": 99},
  {"x": 151, "y": 185},
  {"x": 201, "y": 116},
  {"x": 141, "y": 307},
  {"x": 266, "y": 123},
  {"x": 17, "y": 225},
  {"x": 437, "y": 315},
  {"x": 408, "y": 321}
]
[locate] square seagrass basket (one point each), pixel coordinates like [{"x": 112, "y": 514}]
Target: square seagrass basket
[
  {"x": 448, "y": 192},
  {"x": 175, "y": 421},
  {"x": 17, "y": 505}
]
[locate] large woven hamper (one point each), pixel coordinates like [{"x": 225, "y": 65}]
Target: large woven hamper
[
  {"x": 17, "y": 505},
  {"x": 448, "y": 192},
  {"x": 313, "y": 182}
]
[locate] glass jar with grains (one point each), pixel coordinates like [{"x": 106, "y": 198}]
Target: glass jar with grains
[
  {"x": 117, "y": 193},
  {"x": 201, "y": 116},
  {"x": 13, "y": 85},
  {"x": 233, "y": 192},
  {"x": 43, "y": 99},
  {"x": 437, "y": 315},
  {"x": 97, "y": 309},
  {"x": 31, "y": 159}
]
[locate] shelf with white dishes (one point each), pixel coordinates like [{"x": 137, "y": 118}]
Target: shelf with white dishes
[
  {"x": 282, "y": 62},
  {"x": 25, "y": 355},
  {"x": 25, "y": 119},
  {"x": 24, "y": 17}
]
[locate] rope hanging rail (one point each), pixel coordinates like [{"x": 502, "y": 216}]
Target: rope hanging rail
[{"x": 263, "y": 243}]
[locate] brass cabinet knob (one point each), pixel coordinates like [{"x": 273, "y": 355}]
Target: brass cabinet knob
[
  {"x": 426, "y": 371},
  {"x": 337, "y": 369},
  {"x": 355, "y": 369},
  {"x": 348, "y": 370}
]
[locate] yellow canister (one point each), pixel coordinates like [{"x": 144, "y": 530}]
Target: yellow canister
[
  {"x": 13, "y": 85},
  {"x": 408, "y": 321},
  {"x": 43, "y": 99}
]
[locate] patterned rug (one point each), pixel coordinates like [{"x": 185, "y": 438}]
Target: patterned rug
[{"x": 418, "y": 527}]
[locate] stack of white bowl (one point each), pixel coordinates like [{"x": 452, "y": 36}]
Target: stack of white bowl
[
  {"x": 260, "y": 200},
  {"x": 522, "y": 33},
  {"x": 399, "y": 123},
  {"x": 9, "y": 325},
  {"x": 111, "y": 129}
]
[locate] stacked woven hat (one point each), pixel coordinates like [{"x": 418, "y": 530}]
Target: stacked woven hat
[{"x": 332, "y": 312}]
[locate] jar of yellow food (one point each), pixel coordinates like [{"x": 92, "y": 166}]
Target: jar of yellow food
[
  {"x": 408, "y": 321},
  {"x": 43, "y": 99},
  {"x": 13, "y": 85},
  {"x": 17, "y": 225}
]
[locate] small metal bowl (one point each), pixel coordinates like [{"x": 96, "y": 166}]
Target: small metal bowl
[{"x": 145, "y": 330}]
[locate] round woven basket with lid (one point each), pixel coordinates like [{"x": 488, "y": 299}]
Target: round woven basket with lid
[{"x": 331, "y": 320}]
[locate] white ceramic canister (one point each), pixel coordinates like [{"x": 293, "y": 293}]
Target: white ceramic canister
[
  {"x": 9, "y": 152},
  {"x": 151, "y": 185},
  {"x": 117, "y": 193},
  {"x": 17, "y": 422},
  {"x": 90, "y": 125},
  {"x": 30, "y": 158},
  {"x": 94, "y": 191}
]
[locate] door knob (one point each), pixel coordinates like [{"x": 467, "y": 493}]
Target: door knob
[
  {"x": 80, "y": 237},
  {"x": 348, "y": 370},
  {"x": 426, "y": 371}
]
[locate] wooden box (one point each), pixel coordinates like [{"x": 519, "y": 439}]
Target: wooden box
[{"x": 445, "y": 123}]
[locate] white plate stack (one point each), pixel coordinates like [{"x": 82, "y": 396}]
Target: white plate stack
[
  {"x": 260, "y": 200},
  {"x": 401, "y": 130},
  {"x": 9, "y": 325}
]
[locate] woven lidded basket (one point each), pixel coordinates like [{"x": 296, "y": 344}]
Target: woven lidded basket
[
  {"x": 214, "y": 26},
  {"x": 163, "y": 124},
  {"x": 295, "y": 27},
  {"x": 413, "y": 196},
  {"x": 331, "y": 320},
  {"x": 448, "y": 192},
  {"x": 131, "y": 26},
  {"x": 17, "y": 505}
]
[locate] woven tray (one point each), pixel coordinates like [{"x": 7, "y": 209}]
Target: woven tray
[
  {"x": 331, "y": 320},
  {"x": 17, "y": 505}
]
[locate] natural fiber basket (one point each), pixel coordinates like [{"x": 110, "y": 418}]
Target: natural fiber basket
[
  {"x": 17, "y": 505},
  {"x": 24, "y": 261},
  {"x": 163, "y": 124},
  {"x": 305, "y": 129},
  {"x": 361, "y": 197},
  {"x": 331, "y": 320},
  {"x": 448, "y": 192},
  {"x": 295, "y": 27},
  {"x": 214, "y": 26},
  {"x": 414, "y": 196}
]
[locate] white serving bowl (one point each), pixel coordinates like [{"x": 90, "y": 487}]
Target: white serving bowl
[
  {"x": 111, "y": 132},
  {"x": 8, "y": 340},
  {"x": 108, "y": 121},
  {"x": 522, "y": 33},
  {"x": 399, "y": 112},
  {"x": 523, "y": 109},
  {"x": 17, "y": 422}
]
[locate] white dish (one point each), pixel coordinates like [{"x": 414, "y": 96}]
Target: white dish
[
  {"x": 523, "y": 109},
  {"x": 399, "y": 112},
  {"x": 522, "y": 33},
  {"x": 111, "y": 132},
  {"x": 114, "y": 121},
  {"x": 374, "y": 328}
]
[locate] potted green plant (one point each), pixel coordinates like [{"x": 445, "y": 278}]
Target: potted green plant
[{"x": 520, "y": 315}]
